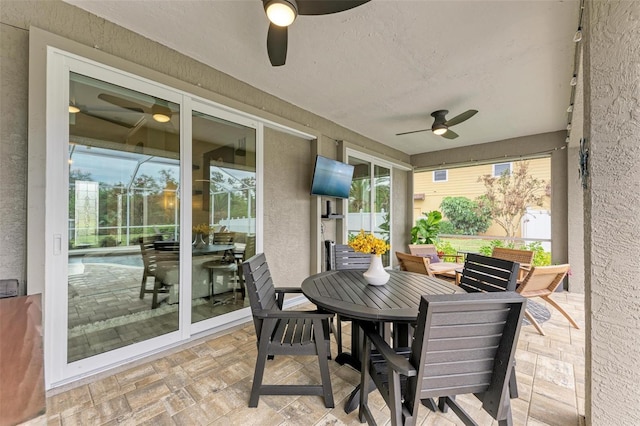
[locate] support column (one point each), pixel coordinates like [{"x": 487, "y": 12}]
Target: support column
[{"x": 612, "y": 212}]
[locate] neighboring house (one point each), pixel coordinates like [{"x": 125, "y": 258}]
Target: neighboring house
[{"x": 431, "y": 187}]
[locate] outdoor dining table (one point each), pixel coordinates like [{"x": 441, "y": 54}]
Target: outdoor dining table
[{"x": 347, "y": 293}]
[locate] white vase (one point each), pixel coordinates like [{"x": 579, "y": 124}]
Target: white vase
[{"x": 376, "y": 275}]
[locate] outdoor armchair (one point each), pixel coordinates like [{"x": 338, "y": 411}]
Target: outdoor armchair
[
  {"x": 463, "y": 344},
  {"x": 284, "y": 332},
  {"x": 542, "y": 281}
]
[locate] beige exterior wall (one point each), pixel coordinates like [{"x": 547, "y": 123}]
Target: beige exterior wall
[
  {"x": 463, "y": 182},
  {"x": 612, "y": 204}
]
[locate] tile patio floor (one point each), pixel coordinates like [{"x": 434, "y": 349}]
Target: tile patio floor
[{"x": 207, "y": 382}]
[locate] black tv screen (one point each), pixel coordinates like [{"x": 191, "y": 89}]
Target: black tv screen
[{"x": 331, "y": 178}]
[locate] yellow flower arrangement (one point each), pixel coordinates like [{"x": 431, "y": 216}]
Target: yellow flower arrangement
[
  {"x": 368, "y": 243},
  {"x": 203, "y": 228}
]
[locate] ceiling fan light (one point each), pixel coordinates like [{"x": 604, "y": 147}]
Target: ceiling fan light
[
  {"x": 439, "y": 129},
  {"x": 161, "y": 118},
  {"x": 281, "y": 12},
  {"x": 161, "y": 113},
  {"x": 73, "y": 109}
]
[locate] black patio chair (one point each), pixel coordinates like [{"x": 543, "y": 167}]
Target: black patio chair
[
  {"x": 281, "y": 332},
  {"x": 483, "y": 273},
  {"x": 463, "y": 344},
  {"x": 343, "y": 257},
  {"x": 490, "y": 274}
]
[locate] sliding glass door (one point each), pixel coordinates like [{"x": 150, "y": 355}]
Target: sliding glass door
[
  {"x": 124, "y": 175},
  {"x": 370, "y": 198},
  {"x": 148, "y": 189}
]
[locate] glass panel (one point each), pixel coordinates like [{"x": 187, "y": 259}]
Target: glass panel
[
  {"x": 123, "y": 190},
  {"x": 382, "y": 206},
  {"x": 223, "y": 212},
  {"x": 359, "y": 197}
]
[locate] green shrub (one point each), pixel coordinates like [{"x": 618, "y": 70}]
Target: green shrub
[
  {"x": 447, "y": 227},
  {"x": 466, "y": 216},
  {"x": 108, "y": 241}
]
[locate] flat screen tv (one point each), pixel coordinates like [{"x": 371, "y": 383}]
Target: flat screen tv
[{"x": 331, "y": 178}]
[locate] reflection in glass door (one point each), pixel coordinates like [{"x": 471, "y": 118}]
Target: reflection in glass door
[
  {"x": 123, "y": 218},
  {"x": 370, "y": 200},
  {"x": 223, "y": 214}
]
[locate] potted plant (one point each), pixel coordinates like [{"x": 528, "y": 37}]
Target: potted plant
[{"x": 427, "y": 228}]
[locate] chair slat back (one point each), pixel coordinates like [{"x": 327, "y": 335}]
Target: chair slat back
[
  {"x": 415, "y": 264},
  {"x": 543, "y": 280},
  {"x": 260, "y": 288},
  {"x": 465, "y": 344},
  {"x": 523, "y": 257},
  {"x": 488, "y": 274},
  {"x": 223, "y": 237},
  {"x": 346, "y": 258},
  {"x": 422, "y": 249}
]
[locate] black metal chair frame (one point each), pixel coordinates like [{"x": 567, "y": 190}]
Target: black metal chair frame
[
  {"x": 463, "y": 344},
  {"x": 281, "y": 332}
]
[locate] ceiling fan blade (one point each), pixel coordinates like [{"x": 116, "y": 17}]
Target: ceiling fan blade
[
  {"x": 460, "y": 118},
  {"x": 413, "y": 131},
  {"x": 277, "y": 45},
  {"x": 108, "y": 120},
  {"x": 326, "y": 7},
  {"x": 450, "y": 134},
  {"x": 122, "y": 102}
]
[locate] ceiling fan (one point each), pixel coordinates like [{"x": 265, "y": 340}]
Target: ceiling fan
[
  {"x": 441, "y": 125},
  {"x": 282, "y": 13},
  {"x": 160, "y": 113}
]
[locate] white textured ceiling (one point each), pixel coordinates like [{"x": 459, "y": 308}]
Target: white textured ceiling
[{"x": 382, "y": 68}]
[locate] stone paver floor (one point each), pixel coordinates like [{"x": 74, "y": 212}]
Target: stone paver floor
[{"x": 207, "y": 382}]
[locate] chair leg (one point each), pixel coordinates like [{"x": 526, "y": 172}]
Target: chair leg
[
  {"x": 365, "y": 379},
  {"x": 258, "y": 374},
  {"x": 533, "y": 322},
  {"x": 338, "y": 334},
  {"x": 562, "y": 311},
  {"x": 143, "y": 285},
  {"x": 156, "y": 288},
  {"x": 321, "y": 334},
  {"x": 395, "y": 399}
]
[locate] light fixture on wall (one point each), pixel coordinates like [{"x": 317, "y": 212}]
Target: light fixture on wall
[
  {"x": 281, "y": 12},
  {"x": 578, "y": 35},
  {"x": 73, "y": 109}
]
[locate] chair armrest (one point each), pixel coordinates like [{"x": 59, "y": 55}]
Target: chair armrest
[
  {"x": 396, "y": 362},
  {"x": 288, "y": 290},
  {"x": 293, "y": 314}
]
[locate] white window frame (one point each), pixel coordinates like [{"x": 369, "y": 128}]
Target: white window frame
[
  {"x": 510, "y": 164},
  {"x": 446, "y": 176}
]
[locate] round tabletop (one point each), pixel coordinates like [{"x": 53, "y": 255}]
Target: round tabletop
[{"x": 347, "y": 293}]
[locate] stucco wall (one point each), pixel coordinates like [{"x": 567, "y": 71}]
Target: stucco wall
[
  {"x": 612, "y": 203},
  {"x": 100, "y": 39},
  {"x": 287, "y": 175},
  {"x": 14, "y": 51}
]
